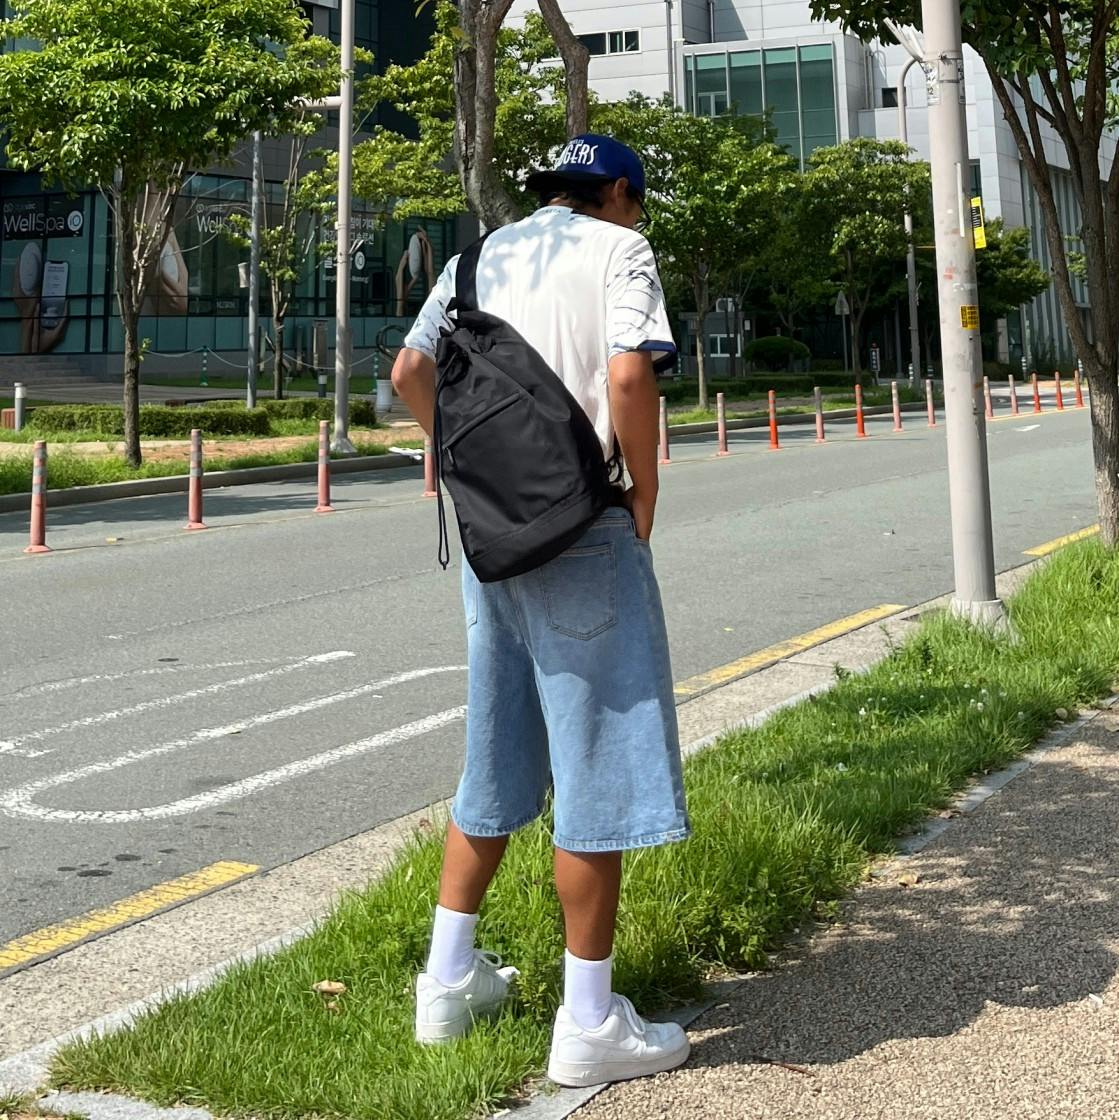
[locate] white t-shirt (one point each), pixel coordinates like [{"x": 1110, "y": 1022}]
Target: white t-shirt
[{"x": 578, "y": 289}]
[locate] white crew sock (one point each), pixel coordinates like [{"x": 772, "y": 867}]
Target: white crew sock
[
  {"x": 586, "y": 989},
  {"x": 452, "y": 946}
]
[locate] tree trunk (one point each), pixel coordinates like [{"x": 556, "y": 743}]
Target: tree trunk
[
  {"x": 1105, "y": 451},
  {"x": 132, "y": 453},
  {"x": 129, "y": 308},
  {"x": 576, "y": 62},
  {"x": 702, "y": 304},
  {"x": 278, "y": 367},
  {"x": 856, "y": 337},
  {"x": 476, "y": 112}
]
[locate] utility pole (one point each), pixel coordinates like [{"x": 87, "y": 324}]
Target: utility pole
[
  {"x": 911, "y": 252},
  {"x": 969, "y": 488},
  {"x": 254, "y": 275},
  {"x": 343, "y": 344}
]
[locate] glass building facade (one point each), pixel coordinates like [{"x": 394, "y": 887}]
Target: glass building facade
[
  {"x": 57, "y": 258},
  {"x": 795, "y": 85}
]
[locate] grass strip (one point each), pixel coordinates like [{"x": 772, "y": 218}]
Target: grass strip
[
  {"x": 786, "y": 818},
  {"x": 66, "y": 468}
]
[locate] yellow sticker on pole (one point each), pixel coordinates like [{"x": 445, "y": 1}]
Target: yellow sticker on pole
[
  {"x": 978, "y": 224},
  {"x": 969, "y": 317}
]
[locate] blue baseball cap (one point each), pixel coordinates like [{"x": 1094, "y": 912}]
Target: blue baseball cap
[{"x": 592, "y": 158}]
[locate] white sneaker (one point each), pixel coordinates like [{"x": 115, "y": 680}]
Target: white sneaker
[
  {"x": 443, "y": 1012},
  {"x": 624, "y": 1046}
]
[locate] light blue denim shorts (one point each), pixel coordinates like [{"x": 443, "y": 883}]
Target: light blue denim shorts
[{"x": 570, "y": 689}]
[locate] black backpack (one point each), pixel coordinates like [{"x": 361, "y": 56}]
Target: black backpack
[{"x": 519, "y": 455}]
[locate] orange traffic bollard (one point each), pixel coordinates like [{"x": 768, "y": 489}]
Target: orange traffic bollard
[
  {"x": 774, "y": 443},
  {"x": 39, "y": 500},
  {"x": 324, "y": 505},
  {"x": 860, "y": 424},
  {"x": 194, "y": 493},
  {"x": 930, "y": 401},
  {"x": 666, "y": 458},
  {"x": 721, "y": 410}
]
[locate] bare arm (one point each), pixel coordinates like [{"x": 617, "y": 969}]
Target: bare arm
[
  {"x": 635, "y": 408},
  {"x": 413, "y": 378}
]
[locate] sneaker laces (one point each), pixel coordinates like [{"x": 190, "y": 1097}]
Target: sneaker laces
[
  {"x": 492, "y": 959},
  {"x": 629, "y": 1012}
]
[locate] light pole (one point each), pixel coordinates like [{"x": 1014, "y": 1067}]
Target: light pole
[
  {"x": 911, "y": 252},
  {"x": 343, "y": 343},
  {"x": 969, "y": 489}
]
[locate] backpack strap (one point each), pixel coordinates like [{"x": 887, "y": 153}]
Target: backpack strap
[{"x": 466, "y": 277}]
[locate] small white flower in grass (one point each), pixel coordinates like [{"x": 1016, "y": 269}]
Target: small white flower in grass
[
  {"x": 841, "y": 767},
  {"x": 979, "y": 707},
  {"x": 1021, "y": 715},
  {"x": 862, "y": 711}
]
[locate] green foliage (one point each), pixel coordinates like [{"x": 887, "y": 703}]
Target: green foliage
[
  {"x": 1008, "y": 275},
  {"x": 151, "y": 89},
  {"x": 775, "y": 352},
  {"x": 220, "y": 418},
  {"x": 797, "y": 276},
  {"x": 156, "y": 421},
  {"x": 1018, "y": 38},
  {"x": 860, "y": 191},
  {"x": 786, "y": 817},
  {"x": 416, "y": 177}
]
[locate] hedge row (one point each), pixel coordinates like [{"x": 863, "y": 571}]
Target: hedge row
[
  {"x": 219, "y": 418},
  {"x": 801, "y": 384},
  {"x": 362, "y": 411}
]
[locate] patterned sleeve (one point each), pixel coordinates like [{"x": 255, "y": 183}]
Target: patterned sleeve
[
  {"x": 424, "y": 335},
  {"x": 636, "y": 316}
]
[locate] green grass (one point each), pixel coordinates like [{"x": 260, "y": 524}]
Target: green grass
[
  {"x": 786, "y": 818},
  {"x": 66, "y": 468}
]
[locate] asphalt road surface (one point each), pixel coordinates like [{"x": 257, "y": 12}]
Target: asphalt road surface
[{"x": 172, "y": 699}]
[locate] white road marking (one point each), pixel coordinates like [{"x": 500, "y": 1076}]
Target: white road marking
[
  {"x": 1029, "y": 428},
  {"x": 16, "y": 745},
  {"x": 180, "y": 667},
  {"x": 20, "y": 801}
]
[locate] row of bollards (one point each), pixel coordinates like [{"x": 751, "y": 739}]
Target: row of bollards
[{"x": 38, "y": 542}]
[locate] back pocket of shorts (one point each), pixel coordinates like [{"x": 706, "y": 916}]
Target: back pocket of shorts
[{"x": 581, "y": 591}]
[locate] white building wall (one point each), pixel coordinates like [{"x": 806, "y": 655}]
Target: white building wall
[{"x": 862, "y": 73}]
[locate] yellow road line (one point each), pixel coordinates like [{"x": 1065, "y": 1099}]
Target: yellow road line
[
  {"x": 1060, "y": 542},
  {"x": 724, "y": 674},
  {"x": 65, "y": 935}
]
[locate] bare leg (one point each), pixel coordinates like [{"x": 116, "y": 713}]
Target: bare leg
[
  {"x": 469, "y": 863},
  {"x": 588, "y": 884}
]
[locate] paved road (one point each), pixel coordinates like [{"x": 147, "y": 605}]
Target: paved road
[{"x": 285, "y": 680}]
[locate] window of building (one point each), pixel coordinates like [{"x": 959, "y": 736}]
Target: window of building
[
  {"x": 711, "y": 84},
  {"x": 746, "y": 94},
  {"x": 719, "y": 345},
  {"x": 781, "y": 96},
  {"x": 612, "y": 42},
  {"x": 817, "y": 98},
  {"x": 796, "y": 86},
  {"x": 889, "y": 97}
]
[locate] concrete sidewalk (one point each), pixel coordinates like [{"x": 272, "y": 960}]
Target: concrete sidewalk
[{"x": 976, "y": 979}]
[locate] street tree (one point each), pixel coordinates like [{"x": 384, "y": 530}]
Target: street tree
[
  {"x": 1055, "y": 71},
  {"x": 791, "y": 268},
  {"x": 127, "y": 96},
  {"x": 859, "y": 192},
  {"x": 290, "y": 231},
  {"x": 714, "y": 187},
  {"x": 1008, "y": 277},
  {"x": 475, "y": 87},
  {"x": 416, "y": 176}
]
